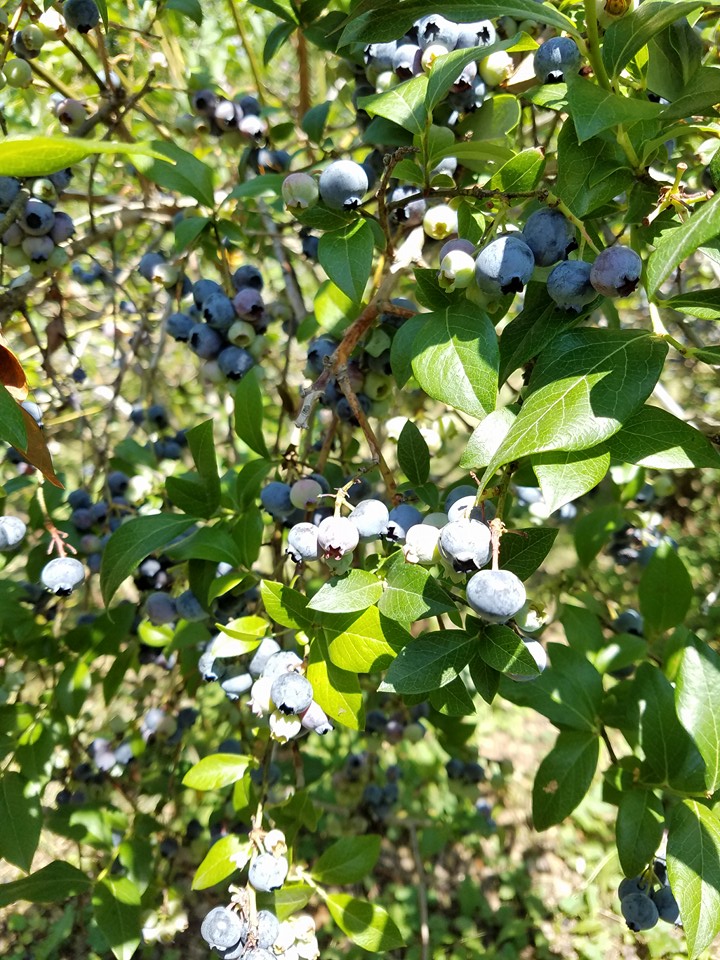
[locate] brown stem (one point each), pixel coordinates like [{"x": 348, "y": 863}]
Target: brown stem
[{"x": 372, "y": 441}]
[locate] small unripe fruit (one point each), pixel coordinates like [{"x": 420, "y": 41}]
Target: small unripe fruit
[
  {"x": 300, "y": 191},
  {"x": 439, "y": 222}
]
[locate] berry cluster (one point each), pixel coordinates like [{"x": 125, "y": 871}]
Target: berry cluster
[
  {"x": 647, "y": 898},
  {"x": 34, "y": 230},
  {"x": 277, "y": 688},
  {"x": 239, "y": 934}
]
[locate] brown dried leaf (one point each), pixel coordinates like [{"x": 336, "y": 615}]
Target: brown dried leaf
[
  {"x": 12, "y": 374},
  {"x": 37, "y": 452}
]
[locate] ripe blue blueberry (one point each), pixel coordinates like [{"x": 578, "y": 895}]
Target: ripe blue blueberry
[
  {"x": 61, "y": 575},
  {"x": 218, "y": 311},
  {"x": 480, "y": 33},
  {"x": 495, "y": 595},
  {"x": 235, "y": 362},
  {"x": 189, "y": 607},
  {"x": 303, "y": 543},
  {"x": 203, "y": 102},
  {"x": 629, "y": 621},
  {"x": 291, "y": 693},
  {"x": 465, "y": 544},
  {"x": 227, "y": 115},
  {"x": 81, "y": 15},
  {"x": 149, "y": 263},
  {"x": 63, "y": 227},
  {"x": 410, "y": 214},
  {"x": 268, "y": 929},
  {"x": 504, "y": 266},
  {"x": 666, "y": 904},
  {"x": 569, "y": 285},
  {"x": 371, "y": 519},
  {"x": 248, "y": 304},
  {"x": 222, "y": 928},
  {"x": 61, "y": 179},
  {"x": 202, "y": 289},
  {"x": 639, "y": 911},
  {"x": 436, "y": 29},
  {"x": 343, "y": 185},
  {"x": 9, "y": 189},
  {"x": 38, "y": 249},
  {"x": 337, "y": 536},
  {"x": 400, "y": 519},
  {"x": 38, "y": 218},
  {"x": 12, "y": 532},
  {"x": 205, "y": 342},
  {"x": 179, "y": 325},
  {"x": 550, "y": 236},
  {"x": 210, "y": 667},
  {"x": 407, "y": 61},
  {"x": 275, "y": 498},
  {"x": 616, "y": 271},
  {"x": 160, "y": 608},
  {"x": 267, "y": 873},
  {"x": 555, "y": 59},
  {"x": 380, "y": 55},
  {"x": 247, "y": 276}
]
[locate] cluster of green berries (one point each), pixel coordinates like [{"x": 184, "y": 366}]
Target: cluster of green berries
[{"x": 35, "y": 231}]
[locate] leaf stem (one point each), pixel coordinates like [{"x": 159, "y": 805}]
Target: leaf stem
[{"x": 593, "y": 45}]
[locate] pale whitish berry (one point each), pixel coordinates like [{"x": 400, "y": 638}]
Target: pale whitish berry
[
  {"x": 283, "y": 727},
  {"x": 259, "y": 701},
  {"x": 268, "y": 646},
  {"x": 537, "y": 651},
  {"x": 495, "y": 595},
  {"x": 12, "y": 532},
  {"x": 303, "y": 542},
  {"x": 457, "y": 270},
  {"x": 291, "y": 693},
  {"x": 62, "y": 575},
  {"x": 299, "y": 191},
  {"x": 304, "y": 493},
  {"x": 281, "y": 662},
  {"x": 274, "y": 842},
  {"x": 337, "y": 536},
  {"x": 315, "y": 719},
  {"x": 421, "y": 544},
  {"x": 439, "y": 222},
  {"x": 222, "y": 928},
  {"x": 371, "y": 518}
]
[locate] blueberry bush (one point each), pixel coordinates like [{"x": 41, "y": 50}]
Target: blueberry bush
[{"x": 357, "y": 385}]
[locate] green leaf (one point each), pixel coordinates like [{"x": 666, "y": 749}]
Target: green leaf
[
  {"x": 674, "y": 54},
  {"x": 581, "y": 393},
  {"x": 198, "y": 497},
  {"x": 520, "y": 174},
  {"x": 207, "y": 543},
  {"x": 486, "y": 680},
  {"x": 665, "y": 590},
  {"x": 523, "y": 551},
  {"x": 564, "y": 777},
  {"x": 367, "y": 925},
  {"x": 456, "y": 359},
  {"x": 429, "y": 662},
  {"x": 249, "y": 413},
  {"x": 116, "y": 909},
  {"x": 569, "y": 692},
  {"x": 693, "y": 860},
  {"x": 187, "y": 231},
  {"x": 217, "y": 770},
  {"x": 496, "y": 118},
  {"x": 699, "y": 98},
  {"x": 487, "y": 437},
  {"x": 185, "y": 175},
  {"x": 348, "y": 860},
  {"x": 671, "y": 755},
  {"x": 285, "y": 605},
  {"x": 639, "y": 829},
  {"x": 655, "y": 438},
  {"x": 453, "y": 700},
  {"x": 401, "y": 351},
  {"x": 365, "y": 643},
  {"x": 595, "y": 529},
  {"x": 41, "y": 156},
  {"x": 12, "y": 424},
  {"x": 188, "y": 8},
  {"x": 288, "y": 900},
  {"x": 218, "y": 865},
  {"x": 313, "y": 123},
  {"x": 240, "y": 636},
  {"x": 503, "y": 650},
  {"x": 629, "y": 34},
  {"x": 590, "y": 173},
  {"x": 336, "y": 691},
  {"x": 356, "y": 590},
  {"x": 595, "y": 109},
  {"x": 697, "y": 700},
  {"x": 403, "y": 104},
  {"x": 412, "y": 593},
  {"x": 278, "y": 36},
  {"x": 413, "y": 454},
  {"x": 52, "y": 884},
  {"x": 566, "y": 476},
  {"x": 131, "y": 543},
  {"x": 267, "y": 184},
  {"x": 346, "y": 256},
  {"x": 681, "y": 241}
]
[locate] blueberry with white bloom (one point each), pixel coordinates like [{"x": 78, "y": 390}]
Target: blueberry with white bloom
[
  {"x": 303, "y": 543},
  {"x": 343, "y": 185},
  {"x": 291, "y": 693},
  {"x": 496, "y": 595},
  {"x": 267, "y": 873},
  {"x": 337, "y": 536},
  {"x": 371, "y": 519},
  {"x": 61, "y": 575},
  {"x": 12, "y": 532}
]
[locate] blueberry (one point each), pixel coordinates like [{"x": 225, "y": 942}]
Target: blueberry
[
  {"x": 253, "y": 128},
  {"x": 310, "y": 244},
  {"x": 38, "y": 218},
  {"x": 81, "y": 15},
  {"x": 457, "y": 493},
  {"x": 303, "y": 543},
  {"x": 465, "y": 544},
  {"x": 202, "y": 289},
  {"x": 549, "y": 235},
  {"x": 343, "y": 185},
  {"x": 457, "y": 271},
  {"x": 78, "y": 499},
  {"x": 504, "y": 266},
  {"x": 380, "y": 55},
  {"x": 222, "y": 928},
  {"x": 275, "y": 498},
  {"x": 205, "y": 342},
  {"x": 234, "y": 362},
  {"x": 407, "y": 61},
  {"x": 203, "y": 102},
  {"x": 465, "y": 508},
  {"x": 436, "y": 29},
  {"x": 495, "y": 595},
  {"x": 291, "y": 693},
  {"x": 61, "y": 179},
  {"x": 299, "y": 191},
  {"x": 250, "y": 105},
  {"x": 189, "y": 607},
  {"x": 410, "y": 214},
  {"x": 179, "y": 326},
  {"x": 9, "y": 189},
  {"x": 210, "y": 667},
  {"x": 268, "y": 646},
  {"x": 337, "y": 536},
  {"x": 279, "y": 663},
  {"x": 218, "y": 311},
  {"x": 629, "y": 621},
  {"x": 249, "y": 304},
  {"x": 12, "y": 532},
  {"x": 447, "y": 166},
  {"x": 569, "y": 285},
  {"x": 267, "y": 873},
  {"x": 63, "y": 227},
  {"x": 616, "y": 271},
  {"x": 247, "y": 276},
  {"x": 234, "y": 686},
  {"x": 317, "y": 352},
  {"x": 315, "y": 719},
  {"x": 18, "y": 73},
  {"x": 61, "y": 575},
  {"x": 555, "y": 58},
  {"x": 371, "y": 518},
  {"x": 118, "y": 483},
  {"x": 440, "y": 221},
  {"x": 268, "y": 929},
  {"x": 480, "y": 33},
  {"x": 421, "y": 543},
  {"x": 149, "y": 263},
  {"x": 474, "y": 772},
  {"x": 639, "y": 911},
  {"x": 400, "y": 519},
  {"x": 666, "y": 904},
  {"x": 264, "y": 160},
  {"x": 160, "y": 608},
  {"x": 227, "y": 115},
  {"x": 38, "y": 249}
]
